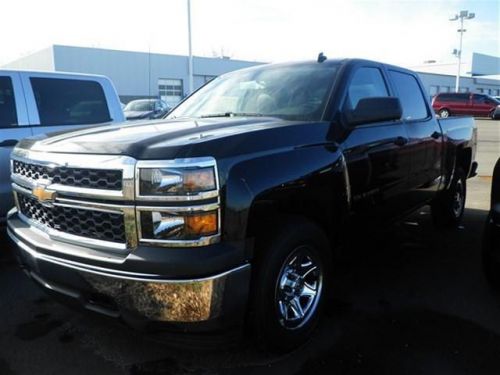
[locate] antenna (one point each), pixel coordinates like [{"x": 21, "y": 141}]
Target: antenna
[{"x": 321, "y": 57}]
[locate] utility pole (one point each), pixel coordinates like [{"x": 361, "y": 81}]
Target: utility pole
[
  {"x": 464, "y": 14},
  {"x": 190, "y": 63}
]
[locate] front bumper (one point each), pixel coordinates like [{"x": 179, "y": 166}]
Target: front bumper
[{"x": 211, "y": 302}]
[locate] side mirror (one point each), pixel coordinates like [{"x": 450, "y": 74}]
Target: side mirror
[{"x": 375, "y": 109}]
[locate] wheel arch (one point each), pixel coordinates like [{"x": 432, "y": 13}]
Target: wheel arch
[{"x": 311, "y": 182}]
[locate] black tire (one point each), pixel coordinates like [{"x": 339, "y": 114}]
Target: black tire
[
  {"x": 491, "y": 257},
  {"x": 444, "y": 113},
  {"x": 448, "y": 208},
  {"x": 268, "y": 306}
]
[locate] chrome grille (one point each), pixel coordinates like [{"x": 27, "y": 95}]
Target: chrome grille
[
  {"x": 105, "y": 226},
  {"x": 77, "y": 177}
]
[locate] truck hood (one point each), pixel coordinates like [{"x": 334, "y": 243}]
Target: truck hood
[{"x": 172, "y": 138}]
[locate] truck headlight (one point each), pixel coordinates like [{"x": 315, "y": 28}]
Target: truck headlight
[
  {"x": 180, "y": 181},
  {"x": 158, "y": 225},
  {"x": 177, "y": 180},
  {"x": 167, "y": 213}
]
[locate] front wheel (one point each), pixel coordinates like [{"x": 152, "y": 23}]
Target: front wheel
[
  {"x": 290, "y": 283},
  {"x": 448, "y": 208},
  {"x": 444, "y": 113}
]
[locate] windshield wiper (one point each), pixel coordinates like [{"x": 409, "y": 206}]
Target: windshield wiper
[{"x": 232, "y": 114}]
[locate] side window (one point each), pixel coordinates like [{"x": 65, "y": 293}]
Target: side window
[
  {"x": 366, "y": 83},
  {"x": 478, "y": 99},
  {"x": 462, "y": 98},
  {"x": 69, "y": 101},
  {"x": 410, "y": 95},
  {"x": 8, "y": 112}
]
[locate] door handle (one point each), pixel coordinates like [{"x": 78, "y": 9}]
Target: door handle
[
  {"x": 400, "y": 141},
  {"x": 9, "y": 143}
]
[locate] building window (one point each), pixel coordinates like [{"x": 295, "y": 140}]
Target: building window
[
  {"x": 464, "y": 89},
  {"x": 433, "y": 90},
  {"x": 480, "y": 90},
  {"x": 170, "y": 90},
  {"x": 444, "y": 88}
]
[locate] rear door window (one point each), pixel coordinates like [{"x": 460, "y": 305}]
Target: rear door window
[
  {"x": 411, "y": 96},
  {"x": 69, "y": 101},
  {"x": 366, "y": 83},
  {"x": 445, "y": 97},
  {"x": 479, "y": 99},
  {"x": 8, "y": 112},
  {"x": 461, "y": 98},
  {"x": 457, "y": 98}
]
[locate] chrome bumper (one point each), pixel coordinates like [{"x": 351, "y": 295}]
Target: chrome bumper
[{"x": 150, "y": 296}]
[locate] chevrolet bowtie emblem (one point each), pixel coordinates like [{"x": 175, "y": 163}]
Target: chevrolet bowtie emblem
[{"x": 43, "y": 194}]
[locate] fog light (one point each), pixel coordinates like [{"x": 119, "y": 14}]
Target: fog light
[{"x": 159, "y": 225}]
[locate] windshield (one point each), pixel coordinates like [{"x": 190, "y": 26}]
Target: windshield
[
  {"x": 293, "y": 92},
  {"x": 140, "y": 105}
]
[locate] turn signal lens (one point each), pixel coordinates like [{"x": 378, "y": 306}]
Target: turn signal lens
[
  {"x": 202, "y": 224},
  {"x": 158, "y": 225}
]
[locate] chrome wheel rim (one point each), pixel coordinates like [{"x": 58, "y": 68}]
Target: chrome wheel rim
[
  {"x": 458, "y": 199},
  {"x": 444, "y": 114},
  {"x": 298, "y": 288}
]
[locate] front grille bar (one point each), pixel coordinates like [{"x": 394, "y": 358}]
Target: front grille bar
[
  {"x": 126, "y": 212},
  {"x": 41, "y": 164}
]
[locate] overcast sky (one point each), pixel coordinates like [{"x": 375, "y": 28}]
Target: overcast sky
[{"x": 399, "y": 32}]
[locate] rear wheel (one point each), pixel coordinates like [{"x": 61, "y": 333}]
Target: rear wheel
[
  {"x": 290, "y": 283},
  {"x": 448, "y": 208},
  {"x": 444, "y": 113}
]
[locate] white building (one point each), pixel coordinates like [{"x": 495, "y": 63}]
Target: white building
[
  {"x": 142, "y": 74},
  {"x": 134, "y": 74}
]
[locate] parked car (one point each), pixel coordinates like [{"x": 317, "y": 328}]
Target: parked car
[
  {"x": 491, "y": 240},
  {"x": 231, "y": 209},
  {"x": 453, "y": 104},
  {"x": 142, "y": 109},
  {"x": 32, "y": 103}
]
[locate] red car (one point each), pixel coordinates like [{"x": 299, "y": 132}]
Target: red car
[{"x": 448, "y": 104}]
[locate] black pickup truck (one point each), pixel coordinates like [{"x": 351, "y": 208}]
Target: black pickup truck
[{"x": 231, "y": 209}]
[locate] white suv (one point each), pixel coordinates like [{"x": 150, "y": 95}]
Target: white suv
[{"x": 32, "y": 103}]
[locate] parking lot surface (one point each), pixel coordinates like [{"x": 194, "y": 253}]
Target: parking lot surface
[
  {"x": 410, "y": 299},
  {"x": 488, "y": 145}
]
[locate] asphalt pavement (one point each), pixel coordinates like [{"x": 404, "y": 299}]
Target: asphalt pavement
[
  {"x": 488, "y": 145},
  {"x": 410, "y": 300}
]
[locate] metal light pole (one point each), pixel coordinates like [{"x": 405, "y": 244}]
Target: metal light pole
[
  {"x": 190, "y": 63},
  {"x": 464, "y": 14}
]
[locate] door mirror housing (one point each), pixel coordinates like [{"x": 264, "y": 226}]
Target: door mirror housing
[{"x": 375, "y": 109}]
